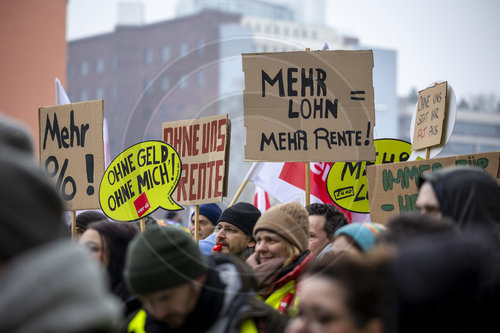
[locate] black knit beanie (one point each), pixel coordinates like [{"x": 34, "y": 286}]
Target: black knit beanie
[
  {"x": 162, "y": 258},
  {"x": 242, "y": 215}
]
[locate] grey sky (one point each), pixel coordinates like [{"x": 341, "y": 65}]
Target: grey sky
[{"x": 453, "y": 40}]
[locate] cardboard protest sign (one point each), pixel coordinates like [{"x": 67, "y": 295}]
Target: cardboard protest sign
[
  {"x": 431, "y": 111},
  {"x": 139, "y": 180},
  {"x": 72, "y": 151},
  {"x": 392, "y": 188},
  {"x": 203, "y": 146},
  {"x": 310, "y": 106},
  {"x": 346, "y": 181}
]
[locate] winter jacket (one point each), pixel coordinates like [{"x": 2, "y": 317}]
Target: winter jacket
[
  {"x": 227, "y": 303},
  {"x": 280, "y": 293}
]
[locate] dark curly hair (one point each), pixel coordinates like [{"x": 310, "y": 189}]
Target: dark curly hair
[{"x": 334, "y": 217}]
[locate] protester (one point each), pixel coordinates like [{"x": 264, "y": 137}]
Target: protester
[
  {"x": 85, "y": 218},
  {"x": 402, "y": 228},
  {"x": 447, "y": 284},
  {"x": 281, "y": 253},
  {"x": 208, "y": 217},
  {"x": 56, "y": 287},
  {"x": 173, "y": 217},
  {"x": 234, "y": 230},
  {"x": 356, "y": 237},
  {"x": 467, "y": 195},
  {"x": 184, "y": 291},
  {"x": 324, "y": 220},
  {"x": 107, "y": 242},
  {"x": 342, "y": 295},
  {"x": 47, "y": 283}
]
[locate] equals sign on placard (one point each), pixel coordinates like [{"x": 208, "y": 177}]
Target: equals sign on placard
[{"x": 358, "y": 95}]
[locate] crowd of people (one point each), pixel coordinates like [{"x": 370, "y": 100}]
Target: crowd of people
[{"x": 289, "y": 269}]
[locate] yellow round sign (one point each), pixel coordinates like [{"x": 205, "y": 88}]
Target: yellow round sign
[
  {"x": 139, "y": 180},
  {"x": 346, "y": 182}
]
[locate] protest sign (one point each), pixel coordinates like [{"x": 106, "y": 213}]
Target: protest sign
[
  {"x": 203, "y": 146},
  {"x": 431, "y": 111},
  {"x": 71, "y": 150},
  {"x": 139, "y": 180},
  {"x": 346, "y": 182},
  {"x": 393, "y": 188},
  {"x": 310, "y": 106}
]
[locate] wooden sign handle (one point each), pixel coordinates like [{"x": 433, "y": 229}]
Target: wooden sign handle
[
  {"x": 196, "y": 223},
  {"x": 73, "y": 224},
  {"x": 143, "y": 224}
]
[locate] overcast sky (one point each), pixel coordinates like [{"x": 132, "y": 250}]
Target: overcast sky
[{"x": 436, "y": 40}]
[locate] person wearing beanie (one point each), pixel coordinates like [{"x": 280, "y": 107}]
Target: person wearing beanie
[
  {"x": 234, "y": 230},
  {"x": 356, "y": 237},
  {"x": 184, "y": 291},
  {"x": 85, "y": 218},
  {"x": 31, "y": 208},
  {"x": 44, "y": 276},
  {"x": 207, "y": 220},
  {"x": 281, "y": 255}
]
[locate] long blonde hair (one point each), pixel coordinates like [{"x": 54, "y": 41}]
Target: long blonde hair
[{"x": 292, "y": 251}]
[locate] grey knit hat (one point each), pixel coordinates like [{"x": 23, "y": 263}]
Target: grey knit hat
[
  {"x": 15, "y": 135},
  {"x": 162, "y": 258},
  {"x": 31, "y": 210}
]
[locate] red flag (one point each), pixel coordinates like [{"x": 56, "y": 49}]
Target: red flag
[
  {"x": 261, "y": 199},
  {"x": 286, "y": 182}
]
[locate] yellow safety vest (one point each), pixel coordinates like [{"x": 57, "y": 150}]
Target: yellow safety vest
[
  {"x": 138, "y": 323},
  {"x": 277, "y": 300}
]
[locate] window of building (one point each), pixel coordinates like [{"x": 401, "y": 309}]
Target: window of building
[
  {"x": 304, "y": 33},
  {"x": 276, "y": 29},
  {"x": 257, "y": 27},
  {"x": 165, "y": 83},
  {"x": 286, "y": 31},
  {"x": 200, "y": 48},
  {"x": 148, "y": 56},
  {"x": 99, "y": 93},
  {"x": 183, "y": 47},
  {"x": 84, "y": 68},
  {"x": 84, "y": 95},
  {"x": 165, "y": 53},
  {"x": 200, "y": 79},
  {"x": 113, "y": 93},
  {"x": 147, "y": 86},
  {"x": 296, "y": 33},
  {"x": 314, "y": 34},
  {"x": 70, "y": 70},
  {"x": 113, "y": 63},
  {"x": 99, "y": 66},
  {"x": 183, "y": 81}
]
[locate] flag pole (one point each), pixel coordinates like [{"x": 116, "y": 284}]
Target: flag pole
[
  {"x": 243, "y": 184},
  {"x": 308, "y": 184},
  {"x": 308, "y": 175}
]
